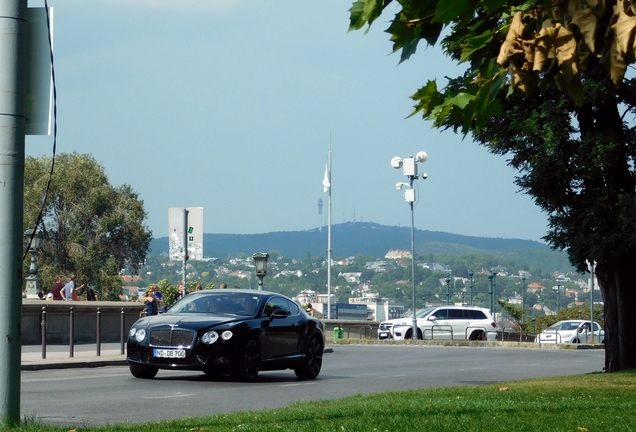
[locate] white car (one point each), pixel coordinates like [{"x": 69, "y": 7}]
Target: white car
[
  {"x": 571, "y": 331},
  {"x": 443, "y": 322}
]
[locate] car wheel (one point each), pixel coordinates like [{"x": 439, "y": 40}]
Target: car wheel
[
  {"x": 143, "y": 372},
  {"x": 310, "y": 367},
  {"x": 476, "y": 335},
  {"x": 576, "y": 341},
  {"x": 409, "y": 333},
  {"x": 250, "y": 362}
]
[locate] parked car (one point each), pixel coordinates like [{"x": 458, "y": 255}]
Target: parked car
[
  {"x": 571, "y": 331},
  {"x": 239, "y": 332},
  {"x": 443, "y": 322}
]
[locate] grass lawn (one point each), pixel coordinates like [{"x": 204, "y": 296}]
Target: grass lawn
[{"x": 583, "y": 403}]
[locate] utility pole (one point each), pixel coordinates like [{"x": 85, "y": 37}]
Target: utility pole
[{"x": 13, "y": 32}]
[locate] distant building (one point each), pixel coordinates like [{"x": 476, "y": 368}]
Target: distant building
[
  {"x": 353, "y": 277},
  {"x": 194, "y": 234},
  {"x": 381, "y": 266},
  {"x": 397, "y": 254},
  {"x": 379, "y": 309}
]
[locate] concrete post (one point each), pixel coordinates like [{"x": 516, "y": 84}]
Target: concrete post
[{"x": 13, "y": 28}]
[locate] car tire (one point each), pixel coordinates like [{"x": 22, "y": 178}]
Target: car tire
[
  {"x": 249, "y": 363},
  {"x": 143, "y": 372},
  {"x": 409, "y": 333},
  {"x": 312, "y": 362},
  {"x": 477, "y": 336}
]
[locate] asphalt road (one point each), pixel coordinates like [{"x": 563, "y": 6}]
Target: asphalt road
[{"x": 107, "y": 395}]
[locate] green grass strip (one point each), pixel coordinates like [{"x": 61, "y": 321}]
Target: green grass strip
[{"x": 584, "y": 403}]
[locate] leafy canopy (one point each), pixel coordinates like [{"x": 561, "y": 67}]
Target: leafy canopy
[
  {"x": 91, "y": 228},
  {"x": 515, "y": 44}
]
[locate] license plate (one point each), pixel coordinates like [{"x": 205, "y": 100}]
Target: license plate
[{"x": 167, "y": 353}]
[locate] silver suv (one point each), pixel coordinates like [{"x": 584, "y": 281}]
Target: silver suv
[{"x": 443, "y": 322}]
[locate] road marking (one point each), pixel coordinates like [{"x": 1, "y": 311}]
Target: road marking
[
  {"x": 169, "y": 396},
  {"x": 299, "y": 384}
]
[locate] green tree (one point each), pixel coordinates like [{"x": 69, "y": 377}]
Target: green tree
[
  {"x": 91, "y": 228},
  {"x": 515, "y": 313},
  {"x": 541, "y": 87}
]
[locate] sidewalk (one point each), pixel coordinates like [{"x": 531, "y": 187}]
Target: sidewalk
[{"x": 84, "y": 356}]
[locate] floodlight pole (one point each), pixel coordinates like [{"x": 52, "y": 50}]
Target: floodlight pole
[
  {"x": 414, "y": 324},
  {"x": 13, "y": 33},
  {"x": 410, "y": 171},
  {"x": 470, "y": 274}
]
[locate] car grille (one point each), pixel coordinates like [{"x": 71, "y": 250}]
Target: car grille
[
  {"x": 173, "y": 338},
  {"x": 385, "y": 326}
]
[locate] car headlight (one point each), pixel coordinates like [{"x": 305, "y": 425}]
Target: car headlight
[
  {"x": 401, "y": 324},
  {"x": 210, "y": 337},
  {"x": 137, "y": 334},
  {"x": 226, "y": 335}
]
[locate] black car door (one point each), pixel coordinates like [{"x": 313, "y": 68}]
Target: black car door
[{"x": 284, "y": 324}]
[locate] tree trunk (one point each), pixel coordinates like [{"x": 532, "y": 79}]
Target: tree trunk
[{"x": 616, "y": 281}]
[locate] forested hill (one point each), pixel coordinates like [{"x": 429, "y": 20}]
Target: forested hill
[{"x": 367, "y": 238}]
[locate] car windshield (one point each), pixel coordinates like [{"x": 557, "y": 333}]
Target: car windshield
[
  {"x": 422, "y": 313},
  {"x": 246, "y": 304},
  {"x": 567, "y": 325}
]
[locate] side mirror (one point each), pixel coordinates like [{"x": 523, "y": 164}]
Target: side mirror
[
  {"x": 279, "y": 313},
  {"x": 432, "y": 318}
]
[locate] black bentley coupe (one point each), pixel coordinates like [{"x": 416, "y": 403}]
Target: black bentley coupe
[{"x": 238, "y": 332}]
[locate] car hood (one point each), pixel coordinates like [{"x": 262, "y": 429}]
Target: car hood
[{"x": 189, "y": 321}]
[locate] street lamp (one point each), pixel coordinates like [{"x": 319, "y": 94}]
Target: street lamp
[
  {"x": 32, "y": 240},
  {"x": 260, "y": 261},
  {"x": 470, "y": 275},
  {"x": 558, "y": 290},
  {"x": 448, "y": 290},
  {"x": 523, "y": 292},
  {"x": 409, "y": 166}
]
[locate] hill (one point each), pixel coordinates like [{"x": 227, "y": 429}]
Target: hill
[{"x": 367, "y": 238}]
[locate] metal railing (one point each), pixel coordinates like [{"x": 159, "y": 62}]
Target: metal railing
[
  {"x": 98, "y": 333},
  {"x": 366, "y": 328},
  {"x": 441, "y": 328}
]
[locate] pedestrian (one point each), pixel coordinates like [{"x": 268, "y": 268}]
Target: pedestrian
[
  {"x": 199, "y": 287},
  {"x": 90, "y": 295},
  {"x": 179, "y": 294},
  {"x": 68, "y": 292},
  {"x": 151, "y": 302},
  {"x": 157, "y": 294},
  {"x": 223, "y": 286},
  {"x": 310, "y": 310},
  {"x": 56, "y": 288}
]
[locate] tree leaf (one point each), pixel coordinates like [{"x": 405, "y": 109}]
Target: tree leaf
[
  {"x": 475, "y": 44},
  {"x": 449, "y": 10}
]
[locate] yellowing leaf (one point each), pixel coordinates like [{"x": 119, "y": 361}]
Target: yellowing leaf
[
  {"x": 502, "y": 389},
  {"x": 586, "y": 21},
  {"x": 582, "y": 429},
  {"x": 564, "y": 44},
  {"x": 512, "y": 44},
  {"x": 544, "y": 50},
  {"x": 624, "y": 34},
  {"x": 597, "y": 6},
  {"x": 617, "y": 64}
]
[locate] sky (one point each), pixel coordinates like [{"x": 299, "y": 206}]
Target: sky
[{"x": 233, "y": 105}]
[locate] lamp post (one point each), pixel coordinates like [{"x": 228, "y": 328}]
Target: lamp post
[
  {"x": 470, "y": 275},
  {"x": 448, "y": 290},
  {"x": 260, "y": 261},
  {"x": 523, "y": 293},
  {"x": 32, "y": 241},
  {"x": 409, "y": 166},
  {"x": 558, "y": 290}
]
